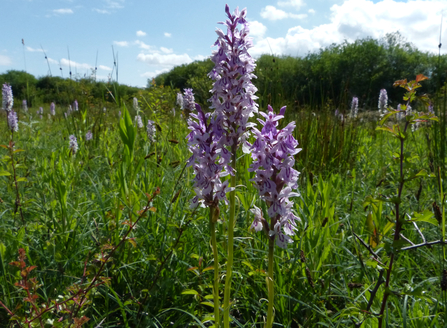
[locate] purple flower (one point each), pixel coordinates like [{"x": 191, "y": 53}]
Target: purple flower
[
  {"x": 40, "y": 111},
  {"x": 233, "y": 92},
  {"x": 24, "y": 105},
  {"x": 188, "y": 101},
  {"x": 12, "y": 121},
  {"x": 75, "y": 105},
  {"x": 138, "y": 121},
  {"x": 273, "y": 160},
  {"x": 7, "y": 98},
  {"x": 383, "y": 101},
  {"x": 73, "y": 143},
  {"x": 88, "y": 135},
  {"x": 354, "y": 106},
  {"x": 69, "y": 110},
  {"x": 151, "y": 130},
  {"x": 53, "y": 109},
  {"x": 209, "y": 160},
  {"x": 431, "y": 109}
]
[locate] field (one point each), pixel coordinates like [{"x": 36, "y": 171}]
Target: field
[{"x": 98, "y": 227}]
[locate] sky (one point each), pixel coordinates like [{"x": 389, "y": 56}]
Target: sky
[{"x": 146, "y": 37}]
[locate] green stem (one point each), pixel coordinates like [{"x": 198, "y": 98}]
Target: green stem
[
  {"x": 230, "y": 244},
  {"x": 270, "y": 286},
  {"x": 216, "y": 268}
]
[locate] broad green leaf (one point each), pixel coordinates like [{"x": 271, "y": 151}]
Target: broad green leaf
[{"x": 190, "y": 292}]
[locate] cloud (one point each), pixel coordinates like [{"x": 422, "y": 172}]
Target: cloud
[
  {"x": 272, "y": 13},
  {"x": 297, "y": 4},
  {"x": 169, "y": 60},
  {"x": 33, "y": 49},
  {"x": 63, "y": 11},
  {"x": 118, "y": 4},
  {"x": 143, "y": 45},
  {"x": 151, "y": 75},
  {"x": 121, "y": 43},
  {"x": 104, "y": 68},
  {"x": 166, "y": 50},
  {"x": 257, "y": 29},
  {"x": 101, "y": 11},
  {"x": 70, "y": 63},
  {"x": 311, "y": 11},
  {"x": 5, "y": 60},
  {"x": 418, "y": 21},
  {"x": 168, "y": 35},
  {"x": 141, "y": 33}
]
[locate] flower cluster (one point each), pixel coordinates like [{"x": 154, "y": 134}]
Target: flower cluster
[
  {"x": 12, "y": 121},
  {"x": 7, "y": 98},
  {"x": 24, "y": 106},
  {"x": 354, "y": 106},
  {"x": 53, "y": 109},
  {"x": 88, "y": 135},
  {"x": 139, "y": 121},
  {"x": 273, "y": 159},
  {"x": 383, "y": 101},
  {"x": 75, "y": 105},
  {"x": 135, "y": 104},
  {"x": 151, "y": 130},
  {"x": 209, "y": 159},
  {"x": 73, "y": 143},
  {"x": 233, "y": 92}
]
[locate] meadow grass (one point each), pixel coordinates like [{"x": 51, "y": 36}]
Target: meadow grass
[{"x": 79, "y": 207}]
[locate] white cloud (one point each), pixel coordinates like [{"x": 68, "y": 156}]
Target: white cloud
[
  {"x": 155, "y": 73},
  {"x": 311, "y": 11},
  {"x": 118, "y": 4},
  {"x": 141, "y": 33},
  {"x": 200, "y": 57},
  {"x": 143, "y": 45},
  {"x": 5, "y": 60},
  {"x": 101, "y": 11},
  {"x": 164, "y": 59},
  {"x": 70, "y": 63},
  {"x": 104, "y": 68},
  {"x": 418, "y": 21},
  {"x": 63, "y": 11},
  {"x": 53, "y": 61},
  {"x": 297, "y": 4},
  {"x": 166, "y": 50},
  {"x": 257, "y": 29},
  {"x": 272, "y": 13},
  {"x": 168, "y": 35},
  {"x": 33, "y": 49},
  {"x": 121, "y": 43}
]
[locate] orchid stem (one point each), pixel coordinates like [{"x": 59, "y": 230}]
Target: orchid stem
[
  {"x": 270, "y": 285},
  {"x": 230, "y": 244},
  {"x": 216, "y": 269}
]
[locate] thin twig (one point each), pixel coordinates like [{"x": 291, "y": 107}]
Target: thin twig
[
  {"x": 430, "y": 243},
  {"x": 368, "y": 247},
  {"x": 419, "y": 231}
]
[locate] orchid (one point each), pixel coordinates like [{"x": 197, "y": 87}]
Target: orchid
[
  {"x": 73, "y": 143},
  {"x": 354, "y": 106},
  {"x": 383, "y": 101},
  {"x": 275, "y": 178},
  {"x": 7, "y": 98},
  {"x": 12, "y": 121},
  {"x": 150, "y": 128},
  {"x": 53, "y": 109}
]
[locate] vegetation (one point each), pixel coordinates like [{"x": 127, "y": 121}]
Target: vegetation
[{"x": 102, "y": 234}]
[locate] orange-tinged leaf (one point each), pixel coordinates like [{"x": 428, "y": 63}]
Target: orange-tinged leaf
[
  {"x": 421, "y": 77},
  {"x": 153, "y": 209},
  {"x": 400, "y": 83},
  {"x": 192, "y": 268}
]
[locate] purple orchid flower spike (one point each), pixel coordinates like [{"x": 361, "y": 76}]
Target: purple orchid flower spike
[{"x": 275, "y": 177}]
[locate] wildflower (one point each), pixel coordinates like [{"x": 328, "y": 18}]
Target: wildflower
[
  {"x": 7, "y": 98},
  {"x": 273, "y": 159},
  {"x": 73, "y": 143},
  {"x": 209, "y": 158},
  {"x": 151, "y": 130},
  {"x": 53, "y": 109},
  {"x": 233, "y": 92},
  {"x": 135, "y": 104},
  {"x": 75, "y": 105},
  {"x": 179, "y": 100},
  {"x": 69, "y": 110},
  {"x": 104, "y": 109},
  {"x": 431, "y": 109},
  {"x": 383, "y": 101},
  {"x": 24, "y": 105},
  {"x": 12, "y": 121},
  {"x": 138, "y": 121},
  {"x": 354, "y": 106},
  {"x": 88, "y": 135}
]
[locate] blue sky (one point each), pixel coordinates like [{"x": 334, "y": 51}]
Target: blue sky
[{"x": 149, "y": 37}]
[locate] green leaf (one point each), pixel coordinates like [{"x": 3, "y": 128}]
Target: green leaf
[
  {"x": 4, "y": 173},
  {"x": 426, "y": 216},
  {"x": 190, "y": 292}
]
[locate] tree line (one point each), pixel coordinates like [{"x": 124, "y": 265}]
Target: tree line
[{"x": 329, "y": 77}]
